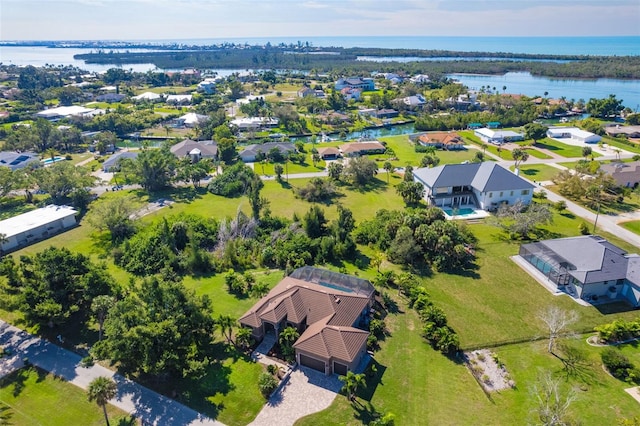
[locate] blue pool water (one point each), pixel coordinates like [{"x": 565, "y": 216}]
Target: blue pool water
[
  {"x": 51, "y": 161},
  {"x": 335, "y": 287},
  {"x": 459, "y": 212}
]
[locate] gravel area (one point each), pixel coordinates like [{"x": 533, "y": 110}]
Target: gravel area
[{"x": 488, "y": 369}]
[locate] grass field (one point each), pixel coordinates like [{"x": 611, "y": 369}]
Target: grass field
[
  {"x": 537, "y": 172},
  {"x": 562, "y": 149},
  {"x": 635, "y": 148},
  {"x": 37, "y": 398},
  {"x": 505, "y": 154},
  {"x": 632, "y": 225}
]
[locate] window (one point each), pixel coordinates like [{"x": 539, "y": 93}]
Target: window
[
  {"x": 525, "y": 192},
  {"x": 501, "y": 193},
  {"x": 490, "y": 194},
  {"x": 512, "y": 193}
]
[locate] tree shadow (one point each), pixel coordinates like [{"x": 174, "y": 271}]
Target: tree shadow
[
  {"x": 127, "y": 421},
  {"x": 373, "y": 373}
]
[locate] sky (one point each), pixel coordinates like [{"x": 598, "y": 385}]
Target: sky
[{"x": 194, "y": 19}]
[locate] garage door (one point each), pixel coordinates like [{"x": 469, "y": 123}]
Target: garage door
[
  {"x": 339, "y": 369},
  {"x": 307, "y": 361}
]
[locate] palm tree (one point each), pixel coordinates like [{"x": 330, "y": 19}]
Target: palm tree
[
  {"x": 101, "y": 390},
  {"x": 288, "y": 336},
  {"x": 352, "y": 382},
  {"x": 100, "y": 307},
  {"x": 389, "y": 168},
  {"x": 243, "y": 337},
  {"x": 226, "y": 323}
]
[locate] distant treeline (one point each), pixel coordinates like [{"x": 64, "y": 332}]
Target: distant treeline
[{"x": 338, "y": 59}]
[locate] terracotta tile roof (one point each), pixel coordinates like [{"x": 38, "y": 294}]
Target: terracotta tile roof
[
  {"x": 445, "y": 138},
  {"x": 354, "y": 147},
  {"x": 329, "y": 151},
  {"x": 332, "y": 341}
]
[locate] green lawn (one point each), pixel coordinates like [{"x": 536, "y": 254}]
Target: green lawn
[
  {"x": 37, "y": 398},
  {"x": 405, "y": 152},
  {"x": 632, "y": 225},
  {"x": 635, "y": 148},
  {"x": 562, "y": 149},
  {"x": 537, "y": 172},
  {"x": 505, "y": 154},
  {"x": 532, "y": 151}
]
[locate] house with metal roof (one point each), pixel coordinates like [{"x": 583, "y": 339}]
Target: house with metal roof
[
  {"x": 17, "y": 160},
  {"x": 363, "y": 84},
  {"x": 587, "y": 267},
  {"x": 625, "y": 174},
  {"x": 327, "y": 308},
  {"x": 113, "y": 162},
  {"x": 573, "y": 134},
  {"x": 36, "y": 225},
  {"x": 251, "y": 152},
  {"x": 498, "y": 137},
  {"x": 195, "y": 150},
  {"x": 484, "y": 185}
]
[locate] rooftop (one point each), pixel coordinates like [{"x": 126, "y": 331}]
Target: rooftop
[{"x": 33, "y": 219}]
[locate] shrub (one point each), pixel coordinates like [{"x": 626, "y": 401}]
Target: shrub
[
  {"x": 372, "y": 342},
  {"x": 584, "y": 228},
  {"x": 272, "y": 369},
  {"x": 87, "y": 361},
  {"x": 619, "y": 330},
  {"x": 618, "y": 365},
  {"x": 377, "y": 327},
  {"x": 267, "y": 384}
]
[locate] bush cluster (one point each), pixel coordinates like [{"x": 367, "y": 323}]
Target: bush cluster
[
  {"x": 620, "y": 366},
  {"x": 619, "y": 330}
]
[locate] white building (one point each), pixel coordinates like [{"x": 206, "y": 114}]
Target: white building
[
  {"x": 148, "y": 96},
  {"x": 253, "y": 123},
  {"x": 68, "y": 111},
  {"x": 191, "y": 119},
  {"x": 208, "y": 86},
  {"x": 36, "y": 225},
  {"x": 497, "y": 136},
  {"x": 179, "y": 99},
  {"x": 574, "y": 134}
]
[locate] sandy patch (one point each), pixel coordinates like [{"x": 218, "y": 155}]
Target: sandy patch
[
  {"x": 489, "y": 370},
  {"x": 634, "y": 392}
]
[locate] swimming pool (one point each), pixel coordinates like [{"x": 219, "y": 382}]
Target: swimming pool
[
  {"x": 48, "y": 161},
  {"x": 465, "y": 211}
]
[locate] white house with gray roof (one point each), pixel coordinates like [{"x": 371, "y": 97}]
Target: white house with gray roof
[
  {"x": 484, "y": 185},
  {"x": 587, "y": 267}
]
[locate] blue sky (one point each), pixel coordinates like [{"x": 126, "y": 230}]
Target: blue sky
[{"x": 189, "y": 19}]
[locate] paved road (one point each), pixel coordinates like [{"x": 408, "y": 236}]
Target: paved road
[{"x": 145, "y": 404}]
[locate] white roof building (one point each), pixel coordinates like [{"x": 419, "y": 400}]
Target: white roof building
[
  {"x": 147, "y": 96},
  {"x": 36, "y": 225},
  {"x": 573, "y": 133},
  {"x": 191, "y": 119},
  {"x": 67, "y": 111},
  {"x": 498, "y": 136},
  {"x": 254, "y": 122},
  {"x": 179, "y": 99}
]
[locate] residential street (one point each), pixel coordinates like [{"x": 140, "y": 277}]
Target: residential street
[{"x": 145, "y": 404}]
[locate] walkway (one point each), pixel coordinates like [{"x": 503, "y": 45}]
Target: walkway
[{"x": 145, "y": 404}]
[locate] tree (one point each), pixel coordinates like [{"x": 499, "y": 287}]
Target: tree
[
  {"x": 411, "y": 192},
  {"x": 100, "y": 308},
  {"x": 520, "y": 220},
  {"x": 101, "y": 390},
  {"x": 154, "y": 168},
  {"x": 360, "y": 171},
  {"x": 586, "y": 151},
  {"x": 388, "y": 167},
  {"x": 188, "y": 171},
  {"x": 115, "y": 216},
  {"x": 253, "y": 193},
  {"x": 335, "y": 170},
  {"x": 429, "y": 160},
  {"x": 314, "y": 222},
  {"x": 535, "y": 131},
  {"x": 519, "y": 156},
  {"x": 603, "y": 108},
  {"x": 278, "y": 170},
  {"x": 553, "y": 402},
  {"x": 478, "y": 157},
  {"x": 243, "y": 337},
  {"x": 557, "y": 321},
  {"x": 61, "y": 179},
  {"x": 226, "y": 324},
  {"x": 352, "y": 382},
  {"x": 159, "y": 329},
  {"x": 287, "y": 338}
]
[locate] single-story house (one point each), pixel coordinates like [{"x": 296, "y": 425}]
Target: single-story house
[
  {"x": 414, "y": 101},
  {"x": 444, "y": 140},
  {"x": 493, "y": 124},
  {"x": 251, "y": 152},
  {"x": 625, "y": 174},
  {"x": 254, "y": 123},
  {"x": 474, "y": 126},
  {"x": 190, "y": 119},
  {"x": 179, "y": 99},
  {"x": 111, "y": 164},
  {"x": 329, "y": 153},
  {"x": 17, "y": 160},
  {"x": 147, "y": 96},
  {"x": 110, "y": 97},
  {"x": 628, "y": 131},
  {"x": 58, "y": 113},
  {"x": 195, "y": 150},
  {"x": 354, "y": 149},
  {"x": 587, "y": 267},
  {"x": 334, "y": 117},
  {"x": 364, "y": 84},
  {"x": 387, "y": 113},
  {"x": 306, "y": 91},
  {"x": 483, "y": 185},
  {"x": 367, "y": 112},
  {"x": 348, "y": 93},
  {"x": 327, "y": 308},
  {"x": 420, "y": 79},
  {"x": 498, "y": 136},
  {"x": 36, "y": 225},
  {"x": 574, "y": 134}
]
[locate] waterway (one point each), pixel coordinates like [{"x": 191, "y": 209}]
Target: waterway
[{"x": 526, "y": 84}]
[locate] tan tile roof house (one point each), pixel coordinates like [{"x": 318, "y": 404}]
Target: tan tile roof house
[
  {"x": 329, "y": 153},
  {"x": 445, "y": 140},
  {"x": 362, "y": 148},
  {"x": 326, "y": 307}
]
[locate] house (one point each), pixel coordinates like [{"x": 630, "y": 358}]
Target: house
[
  {"x": 327, "y": 308},
  {"x": 110, "y": 97},
  {"x": 349, "y": 93},
  {"x": 329, "y": 153},
  {"x": 306, "y": 91},
  {"x": 443, "y": 140},
  {"x": 355, "y": 149},
  {"x": 498, "y": 137},
  {"x": 190, "y": 120},
  {"x": 473, "y": 126},
  {"x": 148, "y": 97},
  {"x": 17, "y": 160},
  {"x": 112, "y": 164},
  {"x": 420, "y": 79},
  {"x": 54, "y": 114},
  {"x": 255, "y": 123},
  {"x": 587, "y": 267},
  {"x": 574, "y": 134},
  {"x": 367, "y": 112},
  {"x": 493, "y": 124},
  {"x": 334, "y": 117},
  {"x": 484, "y": 185},
  {"x": 387, "y": 113},
  {"x": 195, "y": 150},
  {"x": 36, "y": 225},
  {"x": 179, "y": 99},
  {"x": 363, "y": 84},
  {"x": 625, "y": 131},
  {"x": 207, "y": 86},
  {"x": 414, "y": 101},
  {"x": 251, "y": 152},
  {"x": 625, "y": 174}
]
